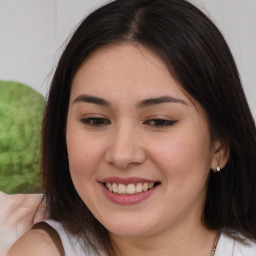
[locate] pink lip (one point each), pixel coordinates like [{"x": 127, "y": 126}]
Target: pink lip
[{"x": 127, "y": 199}]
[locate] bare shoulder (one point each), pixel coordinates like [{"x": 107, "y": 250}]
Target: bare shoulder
[{"x": 34, "y": 242}]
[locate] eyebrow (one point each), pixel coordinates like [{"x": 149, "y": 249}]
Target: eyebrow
[
  {"x": 91, "y": 99},
  {"x": 159, "y": 100},
  {"x": 141, "y": 104}
]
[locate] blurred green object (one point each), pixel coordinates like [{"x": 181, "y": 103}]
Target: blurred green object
[{"x": 21, "y": 113}]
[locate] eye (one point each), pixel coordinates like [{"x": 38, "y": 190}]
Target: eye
[
  {"x": 160, "y": 122},
  {"x": 95, "y": 121}
]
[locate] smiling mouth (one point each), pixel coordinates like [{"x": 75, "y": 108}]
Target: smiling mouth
[{"x": 130, "y": 189}]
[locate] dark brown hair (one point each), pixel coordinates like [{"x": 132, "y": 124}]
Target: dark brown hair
[{"x": 200, "y": 60}]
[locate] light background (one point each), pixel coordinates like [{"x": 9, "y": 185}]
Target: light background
[{"x": 32, "y": 33}]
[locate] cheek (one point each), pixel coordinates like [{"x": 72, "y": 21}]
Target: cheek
[
  {"x": 184, "y": 154},
  {"x": 84, "y": 159},
  {"x": 84, "y": 154},
  {"x": 184, "y": 163}
]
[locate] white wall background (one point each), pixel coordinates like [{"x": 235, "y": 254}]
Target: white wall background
[{"x": 32, "y": 32}]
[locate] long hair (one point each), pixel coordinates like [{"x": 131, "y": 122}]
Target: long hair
[{"x": 198, "y": 57}]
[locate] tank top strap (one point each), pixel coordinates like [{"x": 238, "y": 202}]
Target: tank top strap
[{"x": 72, "y": 244}]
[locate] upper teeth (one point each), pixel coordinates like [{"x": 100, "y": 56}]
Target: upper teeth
[{"x": 130, "y": 188}]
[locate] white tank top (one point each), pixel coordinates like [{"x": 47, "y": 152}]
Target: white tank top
[
  {"x": 73, "y": 245},
  {"x": 227, "y": 246}
]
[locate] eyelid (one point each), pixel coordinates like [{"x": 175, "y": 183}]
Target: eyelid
[{"x": 92, "y": 115}]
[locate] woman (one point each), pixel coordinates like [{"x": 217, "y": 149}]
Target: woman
[{"x": 148, "y": 143}]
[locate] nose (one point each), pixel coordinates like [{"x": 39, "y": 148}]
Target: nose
[{"x": 125, "y": 149}]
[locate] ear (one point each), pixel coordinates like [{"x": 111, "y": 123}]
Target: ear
[{"x": 220, "y": 155}]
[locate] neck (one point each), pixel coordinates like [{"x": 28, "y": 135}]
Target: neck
[{"x": 193, "y": 241}]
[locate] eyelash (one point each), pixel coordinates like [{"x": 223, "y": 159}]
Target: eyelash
[
  {"x": 95, "y": 121},
  {"x": 98, "y": 122},
  {"x": 160, "y": 122}
]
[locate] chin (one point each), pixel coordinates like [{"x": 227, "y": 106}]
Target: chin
[{"x": 129, "y": 228}]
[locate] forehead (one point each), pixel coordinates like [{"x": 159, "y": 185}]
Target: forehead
[{"x": 125, "y": 71}]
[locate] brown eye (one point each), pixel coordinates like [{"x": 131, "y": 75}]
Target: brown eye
[
  {"x": 160, "y": 122},
  {"x": 95, "y": 121}
]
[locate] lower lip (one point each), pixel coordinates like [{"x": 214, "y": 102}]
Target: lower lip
[{"x": 128, "y": 199}]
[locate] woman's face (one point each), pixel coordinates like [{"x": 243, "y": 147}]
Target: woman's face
[{"x": 139, "y": 149}]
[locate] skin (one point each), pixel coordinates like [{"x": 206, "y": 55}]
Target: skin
[
  {"x": 121, "y": 138},
  {"x": 18, "y": 213}
]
